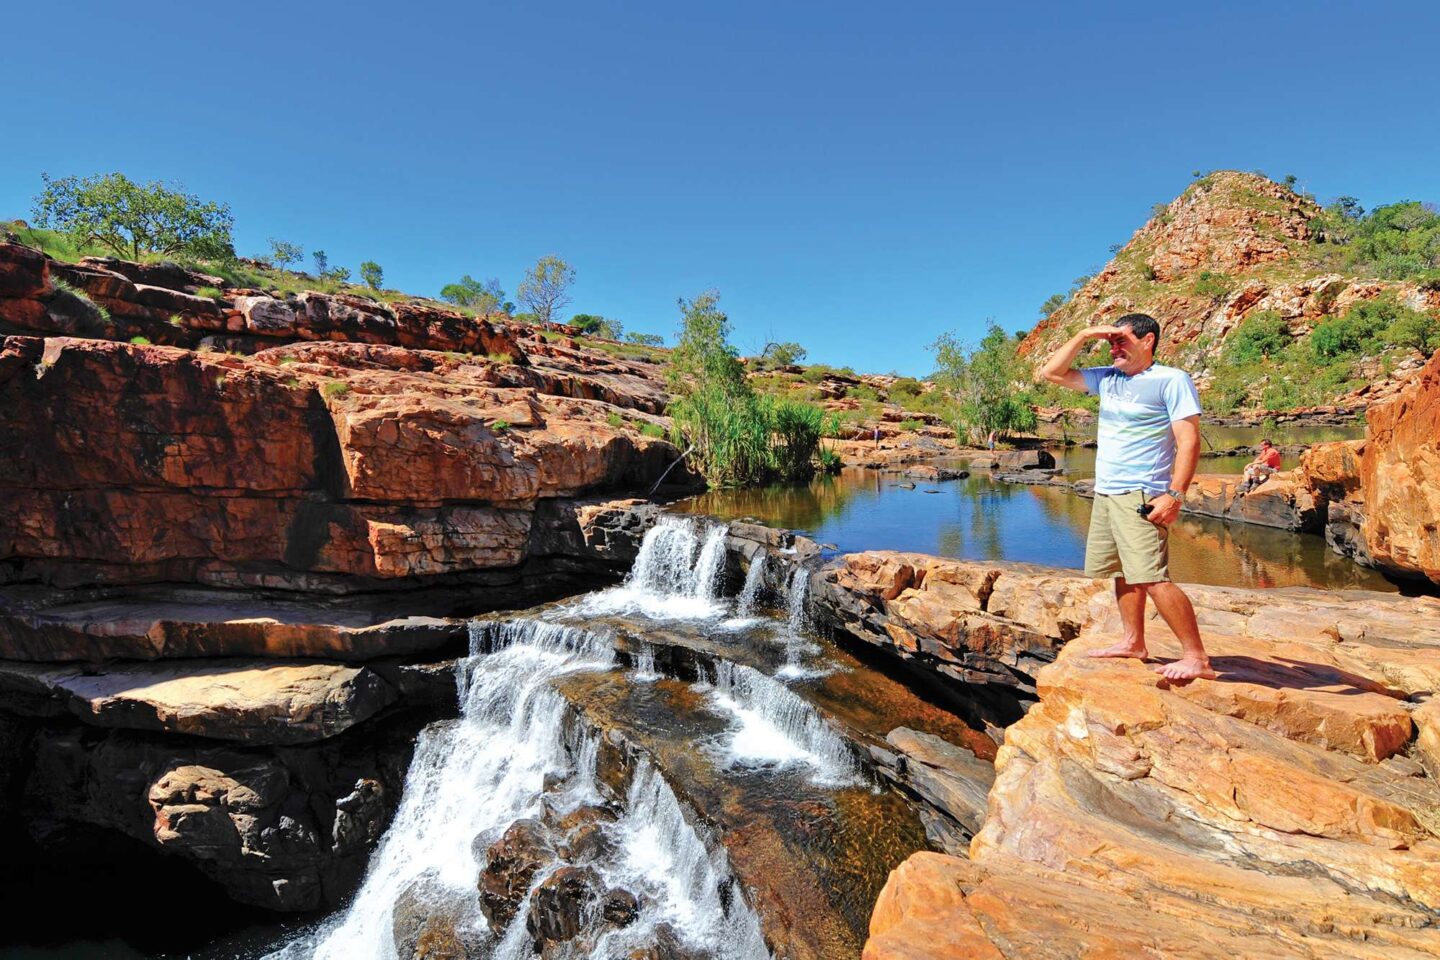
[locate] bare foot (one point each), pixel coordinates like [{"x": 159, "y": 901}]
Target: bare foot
[
  {"x": 1186, "y": 669},
  {"x": 1123, "y": 649}
]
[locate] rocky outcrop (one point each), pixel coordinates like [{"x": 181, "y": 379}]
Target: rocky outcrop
[
  {"x": 975, "y": 623},
  {"x": 1383, "y": 492},
  {"x": 1231, "y": 245},
  {"x": 134, "y": 464},
  {"x": 1286, "y": 809},
  {"x": 1283, "y": 501}
]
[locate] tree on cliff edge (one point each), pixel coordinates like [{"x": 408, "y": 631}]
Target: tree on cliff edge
[
  {"x": 132, "y": 219},
  {"x": 543, "y": 291}
]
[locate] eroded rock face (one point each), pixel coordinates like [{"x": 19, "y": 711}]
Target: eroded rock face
[
  {"x": 1384, "y": 492},
  {"x": 135, "y": 463},
  {"x": 1283, "y": 501},
  {"x": 1286, "y": 809},
  {"x": 282, "y": 828}
]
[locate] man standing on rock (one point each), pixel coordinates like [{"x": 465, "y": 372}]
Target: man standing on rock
[{"x": 1149, "y": 446}]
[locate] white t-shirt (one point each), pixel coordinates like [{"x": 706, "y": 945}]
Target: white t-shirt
[{"x": 1136, "y": 447}]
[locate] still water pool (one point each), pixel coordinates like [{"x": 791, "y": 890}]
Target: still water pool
[{"x": 979, "y": 519}]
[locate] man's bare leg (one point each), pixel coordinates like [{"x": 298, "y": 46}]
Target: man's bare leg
[
  {"x": 1175, "y": 607},
  {"x": 1130, "y": 598}
]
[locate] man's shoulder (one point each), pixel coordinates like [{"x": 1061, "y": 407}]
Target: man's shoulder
[{"x": 1168, "y": 372}]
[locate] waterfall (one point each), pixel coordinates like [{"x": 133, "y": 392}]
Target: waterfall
[
  {"x": 754, "y": 580},
  {"x": 514, "y": 750},
  {"x": 774, "y": 726},
  {"x": 676, "y": 575},
  {"x": 795, "y": 618},
  {"x": 797, "y": 623}
]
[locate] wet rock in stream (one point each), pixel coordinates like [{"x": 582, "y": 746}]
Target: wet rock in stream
[
  {"x": 563, "y": 904},
  {"x": 511, "y": 864}
]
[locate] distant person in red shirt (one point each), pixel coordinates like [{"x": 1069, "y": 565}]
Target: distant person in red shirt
[{"x": 1257, "y": 471}]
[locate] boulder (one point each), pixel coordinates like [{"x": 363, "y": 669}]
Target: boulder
[{"x": 1284, "y": 501}]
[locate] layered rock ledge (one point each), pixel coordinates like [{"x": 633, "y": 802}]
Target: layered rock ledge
[{"x": 1286, "y": 809}]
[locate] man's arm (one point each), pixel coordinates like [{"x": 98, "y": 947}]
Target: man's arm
[
  {"x": 1187, "y": 457},
  {"x": 1060, "y": 368}
]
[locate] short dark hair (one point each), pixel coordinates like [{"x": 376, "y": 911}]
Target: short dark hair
[
  {"x": 1140, "y": 324},
  {"x": 1266, "y": 443}
]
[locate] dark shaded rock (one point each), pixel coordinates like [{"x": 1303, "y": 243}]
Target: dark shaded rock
[
  {"x": 511, "y": 865},
  {"x": 562, "y": 904},
  {"x": 950, "y": 780},
  {"x": 620, "y": 907},
  {"x": 285, "y": 828}
]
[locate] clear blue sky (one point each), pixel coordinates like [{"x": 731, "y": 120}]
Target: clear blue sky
[{"x": 858, "y": 177}]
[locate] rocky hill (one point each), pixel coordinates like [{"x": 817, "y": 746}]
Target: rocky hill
[{"x": 1236, "y": 249}]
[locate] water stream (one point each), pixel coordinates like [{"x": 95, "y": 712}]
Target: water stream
[{"x": 528, "y": 753}]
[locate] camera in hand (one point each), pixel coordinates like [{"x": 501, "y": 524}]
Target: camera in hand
[{"x": 1144, "y": 509}]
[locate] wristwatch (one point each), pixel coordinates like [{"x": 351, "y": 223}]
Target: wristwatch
[{"x": 1177, "y": 494}]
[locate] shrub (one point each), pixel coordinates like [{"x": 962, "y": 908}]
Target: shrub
[
  {"x": 1212, "y": 285},
  {"x": 500, "y": 426},
  {"x": 176, "y": 320},
  {"x": 615, "y": 420},
  {"x": 645, "y": 339},
  {"x": 212, "y": 293},
  {"x": 911, "y": 426},
  {"x": 906, "y": 387},
  {"x": 335, "y": 388},
  {"x": 140, "y": 341},
  {"x": 1263, "y": 333},
  {"x": 1356, "y": 332},
  {"x": 1415, "y": 330},
  {"x": 499, "y": 358},
  {"x": 652, "y": 430}
]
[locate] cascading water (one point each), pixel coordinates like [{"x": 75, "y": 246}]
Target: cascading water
[
  {"x": 774, "y": 726},
  {"x": 676, "y": 575},
  {"x": 796, "y": 627},
  {"x": 514, "y": 750},
  {"x": 754, "y": 581}
]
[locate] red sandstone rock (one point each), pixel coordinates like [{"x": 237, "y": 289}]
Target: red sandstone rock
[{"x": 1280, "y": 811}]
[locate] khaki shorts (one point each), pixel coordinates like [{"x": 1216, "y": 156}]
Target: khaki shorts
[{"x": 1124, "y": 544}]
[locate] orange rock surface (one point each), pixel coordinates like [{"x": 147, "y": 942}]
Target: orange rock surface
[{"x": 1286, "y": 809}]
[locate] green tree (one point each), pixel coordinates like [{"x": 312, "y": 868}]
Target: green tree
[
  {"x": 733, "y": 435},
  {"x": 598, "y": 326},
  {"x": 339, "y": 274},
  {"x": 544, "y": 289},
  {"x": 782, "y": 354},
  {"x": 1415, "y": 330},
  {"x": 645, "y": 339},
  {"x": 471, "y": 293},
  {"x": 372, "y": 274},
  {"x": 1052, "y": 303},
  {"x": 283, "y": 254},
  {"x": 132, "y": 219},
  {"x": 322, "y": 263},
  {"x": 989, "y": 385}
]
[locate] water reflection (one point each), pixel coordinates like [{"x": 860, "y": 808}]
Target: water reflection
[{"x": 977, "y": 519}]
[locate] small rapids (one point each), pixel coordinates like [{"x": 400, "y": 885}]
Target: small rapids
[{"x": 775, "y": 727}]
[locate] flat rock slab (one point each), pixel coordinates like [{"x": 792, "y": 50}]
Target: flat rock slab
[
  {"x": 47, "y": 625},
  {"x": 246, "y": 700}
]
